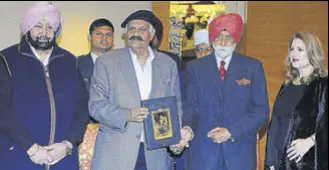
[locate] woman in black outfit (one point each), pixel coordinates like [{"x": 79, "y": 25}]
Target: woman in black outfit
[{"x": 297, "y": 137}]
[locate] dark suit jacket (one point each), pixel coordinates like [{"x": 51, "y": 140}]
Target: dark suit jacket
[
  {"x": 86, "y": 68},
  {"x": 211, "y": 102},
  {"x": 174, "y": 57}
]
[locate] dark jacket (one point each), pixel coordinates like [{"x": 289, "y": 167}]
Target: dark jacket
[
  {"x": 308, "y": 117},
  {"x": 86, "y": 68},
  {"x": 48, "y": 104},
  {"x": 5, "y": 94},
  {"x": 173, "y": 57}
]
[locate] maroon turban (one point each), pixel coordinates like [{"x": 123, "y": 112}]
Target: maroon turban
[{"x": 231, "y": 22}]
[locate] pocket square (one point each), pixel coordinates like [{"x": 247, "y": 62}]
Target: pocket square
[{"x": 243, "y": 82}]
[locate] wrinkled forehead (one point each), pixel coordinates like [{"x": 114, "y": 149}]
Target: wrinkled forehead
[{"x": 138, "y": 23}]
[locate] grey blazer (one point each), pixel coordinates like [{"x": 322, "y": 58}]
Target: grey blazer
[{"x": 114, "y": 90}]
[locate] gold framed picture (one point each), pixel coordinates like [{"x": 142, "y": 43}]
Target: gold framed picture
[{"x": 161, "y": 123}]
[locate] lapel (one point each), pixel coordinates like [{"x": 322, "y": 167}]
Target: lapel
[
  {"x": 213, "y": 71},
  {"x": 90, "y": 65},
  {"x": 156, "y": 75},
  {"x": 127, "y": 69},
  {"x": 234, "y": 69}
]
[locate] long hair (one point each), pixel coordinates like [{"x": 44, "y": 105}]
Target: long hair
[{"x": 315, "y": 55}]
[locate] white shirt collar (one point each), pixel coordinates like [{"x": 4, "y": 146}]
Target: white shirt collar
[
  {"x": 93, "y": 56},
  {"x": 45, "y": 60},
  {"x": 227, "y": 61},
  {"x": 149, "y": 59}
]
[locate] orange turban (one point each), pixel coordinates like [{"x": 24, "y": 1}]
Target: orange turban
[{"x": 231, "y": 22}]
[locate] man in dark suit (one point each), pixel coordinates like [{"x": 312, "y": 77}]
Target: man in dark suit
[
  {"x": 226, "y": 102},
  {"x": 101, "y": 40}
]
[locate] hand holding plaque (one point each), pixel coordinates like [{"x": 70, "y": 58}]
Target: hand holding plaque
[
  {"x": 162, "y": 127},
  {"x": 138, "y": 114}
]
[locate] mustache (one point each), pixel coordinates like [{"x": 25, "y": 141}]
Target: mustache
[
  {"x": 43, "y": 38},
  {"x": 136, "y": 38}
]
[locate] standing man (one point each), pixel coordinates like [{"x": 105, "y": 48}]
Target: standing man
[
  {"x": 48, "y": 102},
  {"x": 226, "y": 102},
  {"x": 101, "y": 40},
  {"x": 100, "y": 36},
  {"x": 122, "y": 79},
  {"x": 202, "y": 48}
]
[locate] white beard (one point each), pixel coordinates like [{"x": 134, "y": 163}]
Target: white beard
[{"x": 223, "y": 51}]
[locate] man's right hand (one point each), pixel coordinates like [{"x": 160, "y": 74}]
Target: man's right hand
[
  {"x": 39, "y": 155},
  {"x": 138, "y": 114}
]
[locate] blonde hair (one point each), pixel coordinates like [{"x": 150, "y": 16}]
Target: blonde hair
[{"x": 315, "y": 55}]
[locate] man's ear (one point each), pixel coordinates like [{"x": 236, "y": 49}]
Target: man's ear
[
  {"x": 152, "y": 37},
  {"x": 89, "y": 37}
]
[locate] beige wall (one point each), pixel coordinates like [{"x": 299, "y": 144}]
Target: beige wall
[{"x": 76, "y": 18}]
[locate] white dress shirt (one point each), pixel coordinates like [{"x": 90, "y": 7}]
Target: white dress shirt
[
  {"x": 44, "y": 60},
  {"x": 227, "y": 61},
  {"x": 144, "y": 77},
  {"x": 93, "y": 56}
]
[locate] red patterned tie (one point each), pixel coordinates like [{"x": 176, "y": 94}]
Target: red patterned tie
[{"x": 222, "y": 70}]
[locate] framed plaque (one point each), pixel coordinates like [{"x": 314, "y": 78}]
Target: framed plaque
[{"x": 161, "y": 127}]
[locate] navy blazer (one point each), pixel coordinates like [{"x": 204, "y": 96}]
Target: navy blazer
[
  {"x": 86, "y": 68},
  {"x": 211, "y": 102}
]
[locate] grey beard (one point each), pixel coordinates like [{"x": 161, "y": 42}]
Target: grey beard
[{"x": 40, "y": 45}]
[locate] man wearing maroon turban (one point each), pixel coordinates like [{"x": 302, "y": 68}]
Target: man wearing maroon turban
[
  {"x": 48, "y": 104},
  {"x": 226, "y": 102}
]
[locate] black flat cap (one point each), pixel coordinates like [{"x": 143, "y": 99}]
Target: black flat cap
[{"x": 145, "y": 15}]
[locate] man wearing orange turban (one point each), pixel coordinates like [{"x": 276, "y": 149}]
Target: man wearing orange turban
[
  {"x": 226, "y": 102},
  {"x": 48, "y": 104}
]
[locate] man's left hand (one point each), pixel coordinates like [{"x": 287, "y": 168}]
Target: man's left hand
[
  {"x": 219, "y": 135},
  {"x": 58, "y": 151},
  {"x": 186, "y": 137},
  {"x": 299, "y": 148}
]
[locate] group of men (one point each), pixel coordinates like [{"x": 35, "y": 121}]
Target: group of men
[{"x": 45, "y": 106}]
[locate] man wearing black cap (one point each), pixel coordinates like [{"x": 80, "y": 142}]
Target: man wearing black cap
[
  {"x": 156, "y": 42},
  {"x": 122, "y": 78}
]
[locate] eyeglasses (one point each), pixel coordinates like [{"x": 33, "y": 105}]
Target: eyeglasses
[{"x": 199, "y": 49}]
